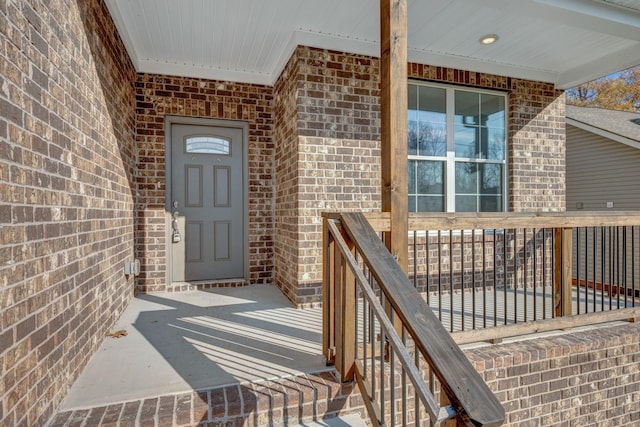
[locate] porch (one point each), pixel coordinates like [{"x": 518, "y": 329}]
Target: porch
[
  {"x": 234, "y": 355},
  {"x": 244, "y": 355},
  {"x": 473, "y": 278}
]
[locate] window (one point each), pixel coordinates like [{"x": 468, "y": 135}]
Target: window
[
  {"x": 207, "y": 145},
  {"x": 457, "y": 149}
]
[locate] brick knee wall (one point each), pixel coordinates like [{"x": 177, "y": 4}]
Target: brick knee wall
[
  {"x": 574, "y": 379},
  {"x": 67, "y": 187}
]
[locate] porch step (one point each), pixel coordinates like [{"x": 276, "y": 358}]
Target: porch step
[{"x": 313, "y": 399}]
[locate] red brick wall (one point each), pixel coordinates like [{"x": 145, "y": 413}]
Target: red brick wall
[
  {"x": 328, "y": 161},
  {"x": 287, "y": 184},
  {"x": 335, "y": 100},
  {"x": 582, "y": 378},
  {"x": 67, "y": 166},
  {"x": 158, "y": 96}
]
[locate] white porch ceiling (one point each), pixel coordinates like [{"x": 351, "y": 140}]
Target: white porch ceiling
[{"x": 565, "y": 42}]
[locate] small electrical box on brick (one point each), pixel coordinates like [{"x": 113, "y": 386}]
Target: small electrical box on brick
[{"x": 132, "y": 268}]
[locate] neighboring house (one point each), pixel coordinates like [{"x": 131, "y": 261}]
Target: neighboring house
[
  {"x": 111, "y": 111},
  {"x": 603, "y": 158}
]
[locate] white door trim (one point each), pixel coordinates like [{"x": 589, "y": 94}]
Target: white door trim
[{"x": 235, "y": 124}]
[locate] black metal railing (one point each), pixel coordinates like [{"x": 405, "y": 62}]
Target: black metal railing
[{"x": 481, "y": 271}]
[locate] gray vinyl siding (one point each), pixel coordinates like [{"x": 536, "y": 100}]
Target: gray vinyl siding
[{"x": 601, "y": 170}]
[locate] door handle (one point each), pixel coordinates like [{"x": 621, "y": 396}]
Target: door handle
[{"x": 175, "y": 232}]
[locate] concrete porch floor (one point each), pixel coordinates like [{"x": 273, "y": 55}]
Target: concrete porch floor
[{"x": 180, "y": 342}]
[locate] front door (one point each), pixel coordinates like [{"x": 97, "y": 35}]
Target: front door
[{"x": 207, "y": 232}]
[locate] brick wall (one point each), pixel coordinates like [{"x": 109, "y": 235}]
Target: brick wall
[
  {"x": 326, "y": 158},
  {"x": 158, "y": 96},
  {"x": 336, "y": 99},
  {"x": 67, "y": 165},
  {"x": 582, "y": 378}
]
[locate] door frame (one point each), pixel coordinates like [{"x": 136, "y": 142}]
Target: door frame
[{"x": 234, "y": 124}]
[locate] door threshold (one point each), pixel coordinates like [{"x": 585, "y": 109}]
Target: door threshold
[{"x": 206, "y": 284}]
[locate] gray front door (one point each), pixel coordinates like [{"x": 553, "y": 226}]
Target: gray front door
[{"x": 207, "y": 203}]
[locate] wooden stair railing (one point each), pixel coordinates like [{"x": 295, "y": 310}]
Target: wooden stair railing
[{"x": 374, "y": 318}]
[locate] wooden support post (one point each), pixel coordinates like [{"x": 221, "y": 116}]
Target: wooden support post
[
  {"x": 393, "y": 104},
  {"x": 345, "y": 319},
  {"x": 328, "y": 295},
  {"x": 562, "y": 271}
]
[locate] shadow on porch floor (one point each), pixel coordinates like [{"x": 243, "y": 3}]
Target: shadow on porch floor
[{"x": 179, "y": 342}]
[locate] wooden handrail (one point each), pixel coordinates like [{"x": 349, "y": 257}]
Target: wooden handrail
[
  {"x": 485, "y": 220},
  {"x": 436, "y": 412},
  {"x": 459, "y": 380}
]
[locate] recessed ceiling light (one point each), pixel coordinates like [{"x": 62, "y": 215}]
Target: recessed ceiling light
[{"x": 489, "y": 39}]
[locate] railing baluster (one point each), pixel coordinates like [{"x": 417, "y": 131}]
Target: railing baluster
[
  {"x": 462, "y": 308},
  {"x": 633, "y": 265},
  {"x": 451, "y": 279},
  {"x": 526, "y": 275},
  {"x": 439, "y": 276},
  {"x": 546, "y": 274},
  {"x": 578, "y": 268},
  {"x": 495, "y": 279},
  {"x": 427, "y": 272},
  {"x": 594, "y": 266},
  {"x": 382, "y": 369},
  {"x": 403, "y": 381},
  {"x": 506, "y": 269},
  {"x": 611, "y": 239},
  {"x": 535, "y": 275},
  {"x": 515, "y": 275},
  {"x": 415, "y": 260},
  {"x": 624, "y": 263},
  {"x": 602, "y": 264},
  {"x": 473, "y": 279}
]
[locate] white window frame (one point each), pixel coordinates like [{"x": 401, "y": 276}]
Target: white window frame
[{"x": 450, "y": 157}]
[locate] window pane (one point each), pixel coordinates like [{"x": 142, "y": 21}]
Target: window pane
[
  {"x": 432, "y": 139},
  {"x": 413, "y": 120},
  {"x": 491, "y": 178},
  {"x": 430, "y": 177},
  {"x": 430, "y": 203},
  {"x": 466, "y": 179},
  {"x": 466, "y": 204},
  {"x": 432, "y": 104},
  {"x": 466, "y": 141},
  {"x": 207, "y": 145},
  {"x": 495, "y": 143},
  {"x": 492, "y": 110},
  {"x": 467, "y": 108},
  {"x": 427, "y": 121},
  {"x": 411, "y": 167},
  {"x": 490, "y": 204},
  {"x": 412, "y": 203}
]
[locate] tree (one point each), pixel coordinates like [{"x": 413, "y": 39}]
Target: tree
[{"x": 618, "y": 91}]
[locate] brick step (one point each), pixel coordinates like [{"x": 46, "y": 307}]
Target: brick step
[{"x": 282, "y": 402}]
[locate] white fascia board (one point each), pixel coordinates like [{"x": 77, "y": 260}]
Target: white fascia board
[
  {"x": 611, "y": 63},
  {"x": 114, "y": 10},
  {"x": 598, "y": 16},
  {"x": 584, "y": 14},
  {"x": 183, "y": 70},
  {"x": 603, "y": 133}
]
